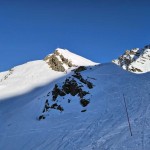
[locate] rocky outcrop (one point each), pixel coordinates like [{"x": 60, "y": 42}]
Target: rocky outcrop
[
  {"x": 127, "y": 58},
  {"x": 58, "y": 62},
  {"x": 75, "y": 85},
  {"x": 10, "y": 72},
  {"x": 70, "y": 86},
  {"x": 135, "y": 60},
  {"x": 79, "y": 69}
]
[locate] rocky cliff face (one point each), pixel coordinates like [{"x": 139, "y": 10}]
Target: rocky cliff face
[
  {"x": 135, "y": 60},
  {"x": 58, "y": 62}
]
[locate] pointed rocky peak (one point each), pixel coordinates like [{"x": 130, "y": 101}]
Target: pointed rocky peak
[
  {"x": 62, "y": 59},
  {"x": 135, "y": 60}
]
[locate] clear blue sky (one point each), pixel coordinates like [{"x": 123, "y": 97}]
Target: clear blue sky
[{"x": 97, "y": 29}]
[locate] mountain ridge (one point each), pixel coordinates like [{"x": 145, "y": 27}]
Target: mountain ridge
[
  {"x": 135, "y": 60},
  {"x": 81, "y": 108}
]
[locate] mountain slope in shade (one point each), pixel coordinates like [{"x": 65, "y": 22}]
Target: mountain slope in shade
[
  {"x": 103, "y": 126},
  {"x": 135, "y": 60}
]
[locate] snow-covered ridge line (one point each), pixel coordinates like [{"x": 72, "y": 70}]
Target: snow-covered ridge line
[
  {"x": 26, "y": 77},
  {"x": 6, "y": 76}
]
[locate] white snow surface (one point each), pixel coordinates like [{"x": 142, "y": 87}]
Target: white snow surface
[
  {"x": 103, "y": 126},
  {"x": 76, "y": 59},
  {"x": 26, "y": 77}
]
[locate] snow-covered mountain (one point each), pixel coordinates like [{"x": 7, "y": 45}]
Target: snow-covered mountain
[
  {"x": 37, "y": 73},
  {"x": 62, "y": 59},
  {"x": 81, "y": 108},
  {"x": 135, "y": 60}
]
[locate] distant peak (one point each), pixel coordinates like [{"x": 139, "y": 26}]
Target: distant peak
[{"x": 136, "y": 60}]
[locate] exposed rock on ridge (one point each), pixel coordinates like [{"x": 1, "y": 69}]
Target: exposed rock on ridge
[
  {"x": 58, "y": 62},
  {"x": 62, "y": 60},
  {"x": 74, "y": 85},
  {"x": 135, "y": 60}
]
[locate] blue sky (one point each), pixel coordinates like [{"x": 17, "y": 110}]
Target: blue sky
[{"x": 97, "y": 29}]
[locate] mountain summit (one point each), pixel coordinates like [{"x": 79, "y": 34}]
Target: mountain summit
[
  {"x": 135, "y": 60},
  {"x": 62, "y": 59}
]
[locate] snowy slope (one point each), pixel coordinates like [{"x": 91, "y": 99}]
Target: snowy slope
[
  {"x": 35, "y": 74},
  {"x": 103, "y": 126},
  {"x": 26, "y": 77},
  {"x": 136, "y": 60}
]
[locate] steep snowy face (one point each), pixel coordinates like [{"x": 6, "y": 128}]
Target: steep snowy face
[
  {"x": 62, "y": 59},
  {"x": 135, "y": 60}
]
